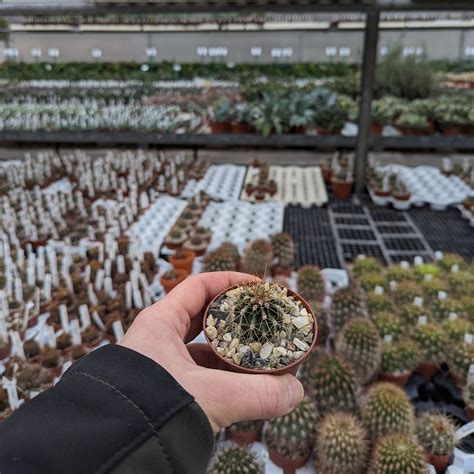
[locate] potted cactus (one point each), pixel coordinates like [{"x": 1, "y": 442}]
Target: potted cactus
[
  {"x": 183, "y": 259},
  {"x": 436, "y": 433},
  {"x": 380, "y": 186},
  {"x": 172, "y": 278},
  {"x": 460, "y": 357},
  {"x": 378, "y": 302},
  {"x": 203, "y": 233},
  {"x": 260, "y": 327},
  {"x": 401, "y": 195},
  {"x": 310, "y": 283},
  {"x": 360, "y": 344},
  {"x": 283, "y": 254},
  {"x": 341, "y": 445},
  {"x": 221, "y": 116},
  {"x": 413, "y": 123},
  {"x": 468, "y": 396},
  {"x": 456, "y": 328},
  {"x": 369, "y": 280},
  {"x": 364, "y": 265},
  {"x": 346, "y": 304},
  {"x": 197, "y": 244},
  {"x": 342, "y": 183},
  {"x": 245, "y": 432},
  {"x": 257, "y": 258},
  {"x": 433, "y": 342},
  {"x": 387, "y": 410},
  {"x": 387, "y": 324},
  {"x": 232, "y": 458},
  {"x": 175, "y": 238},
  {"x": 398, "y": 454},
  {"x": 218, "y": 261},
  {"x": 399, "y": 360},
  {"x": 290, "y": 438}
]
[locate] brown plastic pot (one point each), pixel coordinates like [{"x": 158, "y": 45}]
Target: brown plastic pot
[
  {"x": 452, "y": 131},
  {"x": 399, "y": 380},
  {"x": 324, "y": 131},
  {"x": 469, "y": 410},
  {"x": 427, "y": 370},
  {"x": 220, "y": 127},
  {"x": 243, "y": 437},
  {"x": 168, "y": 285},
  {"x": 376, "y": 128},
  {"x": 327, "y": 174},
  {"x": 341, "y": 189},
  {"x": 290, "y": 368},
  {"x": 289, "y": 466},
  {"x": 440, "y": 463},
  {"x": 183, "y": 263},
  {"x": 241, "y": 127},
  {"x": 381, "y": 193}
]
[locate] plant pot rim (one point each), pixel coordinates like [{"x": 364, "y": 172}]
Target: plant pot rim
[
  {"x": 191, "y": 254},
  {"x": 290, "y": 368},
  {"x": 179, "y": 273},
  {"x": 340, "y": 181},
  {"x": 401, "y": 197}
]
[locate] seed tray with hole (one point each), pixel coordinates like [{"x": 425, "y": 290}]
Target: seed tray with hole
[
  {"x": 352, "y": 251},
  {"x": 351, "y": 221},
  {"x": 341, "y": 207},
  {"x": 386, "y": 215},
  {"x": 302, "y": 185},
  {"x": 393, "y": 243},
  {"x": 395, "y": 229},
  {"x": 356, "y": 234},
  {"x": 307, "y": 222}
]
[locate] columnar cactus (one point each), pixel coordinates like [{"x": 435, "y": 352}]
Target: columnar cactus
[
  {"x": 457, "y": 328},
  {"x": 341, "y": 445},
  {"x": 368, "y": 281},
  {"x": 360, "y": 344},
  {"x": 234, "y": 459},
  {"x": 366, "y": 265},
  {"x": 398, "y": 454},
  {"x": 346, "y": 304},
  {"x": 400, "y": 357},
  {"x": 218, "y": 261},
  {"x": 387, "y": 324},
  {"x": 292, "y": 435},
  {"x": 283, "y": 250},
  {"x": 331, "y": 384},
  {"x": 310, "y": 283},
  {"x": 436, "y": 433},
  {"x": 460, "y": 357},
  {"x": 406, "y": 292},
  {"x": 258, "y": 257},
  {"x": 432, "y": 341},
  {"x": 387, "y": 410}
]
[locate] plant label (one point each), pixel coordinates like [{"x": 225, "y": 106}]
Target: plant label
[
  {"x": 464, "y": 431},
  {"x": 455, "y": 268},
  {"x": 453, "y": 316},
  {"x": 17, "y": 346},
  {"x": 393, "y": 285},
  {"x": 388, "y": 338},
  {"x": 468, "y": 338},
  {"x": 418, "y": 301},
  {"x": 439, "y": 255},
  {"x": 442, "y": 295},
  {"x": 118, "y": 330},
  {"x": 64, "y": 317},
  {"x": 428, "y": 277},
  {"x": 405, "y": 265},
  {"x": 422, "y": 320},
  {"x": 85, "y": 316},
  {"x": 378, "y": 290},
  {"x": 418, "y": 260}
]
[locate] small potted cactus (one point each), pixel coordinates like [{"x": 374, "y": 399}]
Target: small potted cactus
[
  {"x": 468, "y": 396},
  {"x": 448, "y": 260},
  {"x": 258, "y": 257},
  {"x": 183, "y": 259},
  {"x": 172, "y": 278},
  {"x": 218, "y": 261},
  {"x": 433, "y": 344},
  {"x": 259, "y": 327},
  {"x": 409, "y": 316},
  {"x": 460, "y": 357},
  {"x": 346, "y": 304},
  {"x": 175, "y": 238},
  {"x": 232, "y": 458},
  {"x": 456, "y": 328},
  {"x": 245, "y": 432},
  {"x": 378, "y": 302},
  {"x": 283, "y": 254},
  {"x": 310, "y": 283},
  {"x": 399, "y": 360},
  {"x": 369, "y": 280},
  {"x": 366, "y": 265},
  {"x": 204, "y": 233},
  {"x": 197, "y": 244},
  {"x": 387, "y": 324},
  {"x": 436, "y": 433},
  {"x": 290, "y": 438},
  {"x": 406, "y": 292},
  {"x": 387, "y": 410},
  {"x": 360, "y": 344},
  {"x": 342, "y": 183},
  {"x": 341, "y": 445},
  {"x": 401, "y": 195},
  {"x": 398, "y": 454}
]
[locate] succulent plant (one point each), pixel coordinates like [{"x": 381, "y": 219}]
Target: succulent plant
[
  {"x": 341, "y": 445},
  {"x": 366, "y": 265},
  {"x": 468, "y": 395},
  {"x": 360, "y": 344},
  {"x": 431, "y": 288},
  {"x": 247, "y": 425},
  {"x": 441, "y": 309},
  {"x": 424, "y": 269},
  {"x": 368, "y": 281},
  {"x": 218, "y": 261},
  {"x": 292, "y": 435},
  {"x": 387, "y": 410},
  {"x": 233, "y": 459},
  {"x": 398, "y": 273},
  {"x": 322, "y": 318},
  {"x": 436, "y": 433},
  {"x": 283, "y": 250},
  {"x": 230, "y": 249},
  {"x": 409, "y": 316},
  {"x": 398, "y": 454},
  {"x": 461, "y": 283},
  {"x": 432, "y": 341},
  {"x": 387, "y": 324},
  {"x": 346, "y": 304},
  {"x": 406, "y": 292},
  {"x": 450, "y": 259},
  {"x": 378, "y": 302},
  {"x": 467, "y": 303},
  {"x": 400, "y": 357},
  {"x": 310, "y": 283},
  {"x": 460, "y": 357},
  {"x": 457, "y": 328},
  {"x": 331, "y": 384},
  {"x": 258, "y": 257}
]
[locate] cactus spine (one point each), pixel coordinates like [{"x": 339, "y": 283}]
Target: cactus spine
[
  {"x": 460, "y": 357},
  {"x": 400, "y": 357},
  {"x": 283, "y": 250},
  {"x": 387, "y": 324},
  {"x": 432, "y": 341}
]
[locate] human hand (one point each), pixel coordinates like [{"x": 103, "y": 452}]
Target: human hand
[{"x": 161, "y": 331}]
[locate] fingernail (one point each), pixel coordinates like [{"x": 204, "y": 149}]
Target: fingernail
[{"x": 295, "y": 392}]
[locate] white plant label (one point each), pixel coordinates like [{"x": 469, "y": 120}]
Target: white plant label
[
  {"x": 10, "y": 387},
  {"x": 85, "y": 316},
  {"x": 98, "y": 321},
  {"x": 405, "y": 265},
  {"x": 50, "y": 336},
  {"x": 18, "y": 290},
  {"x": 75, "y": 332},
  {"x": 393, "y": 285},
  {"x": 422, "y": 320},
  {"x": 455, "y": 268},
  {"x": 470, "y": 374},
  {"x": 378, "y": 290},
  {"x": 418, "y": 301},
  {"x": 99, "y": 279},
  {"x": 453, "y": 316},
  {"x": 439, "y": 255},
  {"x": 108, "y": 267},
  {"x": 429, "y": 277},
  {"x": 137, "y": 299},
  {"x": 47, "y": 286},
  {"x": 64, "y": 317},
  {"x": 468, "y": 338},
  {"x": 118, "y": 330},
  {"x": 120, "y": 264},
  {"x": 418, "y": 260},
  {"x": 388, "y": 338},
  {"x": 17, "y": 346},
  {"x": 91, "y": 295},
  {"x": 464, "y": 431},
  {"x": 442, "y": 295}
]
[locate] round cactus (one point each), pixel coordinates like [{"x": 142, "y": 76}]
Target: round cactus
[
  {"x": 387, "y": 410},
  {"x": 387, "y": 324},
  {"x": 460, "y": 357},
  {"x": 400, "y": 357},
  {"x": 322, "y": 318},
  {"x": 441, "y": 309},
  {"x": 346, "y": 304},
  {"x": 331, "y": 384},
  {"x": 457, "y": 328},
  {"x": 398, "y": 273},
  {"x": 449, "y": 260},
  {"x": 378, "y": 302},
  {"x": 292, "y": 435},
  {"x": 398, "y": 454},
  {"x": 310, "y": 283},
  {"x": 230, "y": 249},
  {"x": 341, "y": 445},
  {"x": 467, "y": 303},
  {"x": 436, "y": 433},
  {"x": 426, "y": 269},
  {"x": 258, "y": 257},
  {"x": 409, "y": 316},
  {"x": 368, "y": 281},
  {"x": 431, "y": 288},
  {"x": 218, "y": 261},
  {"x": 247, "y": 425},
  {"x": 406, "y": 292},
  {"x": 283, "y": 250},
  {"x": 366, "y": 265},
  {"x": 468, "y": 395},
  {"x": 461, "y": 283},
  {"x": 233, "y": 459},
  {"x": 360, "y": 344},
  {"x": 432, "y": 341}
]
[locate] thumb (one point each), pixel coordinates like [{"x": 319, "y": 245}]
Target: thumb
[{"x": 239, "y": 397}]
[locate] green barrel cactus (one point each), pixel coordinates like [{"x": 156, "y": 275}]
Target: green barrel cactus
[
  {"x": 346, "y": 304},
  {"x": 218, "y": 261},
  {"x": 258, "y": 257},
  {"x": 406, "y": 292},
  {"x": 461, "y": 283},
  {"x": 368, "y": 281},
  {"x": 283, "y": 250},
  {"x": 398, "y": 273},
  {"x": 387, "y": 324},
  {"x": 432, "y": 341},
  {"x": 421, "y": 271},
  {"x": 460, "y": 356},
  {"x": 449, "y": 260},
  {"x": 378, "y": 302},
  {"x": 431, "y": 288},
  {"x": 400, "y": 357},
  {"x": 310, "y": 283},
  {"x": 233, "y": 459},
  {"x": 455, "y": 329},
  {"x": 409, "y": 316},
  {"x": 441, "y": 309},
  {"x": 436, "y": 433},
  {"x": 366, "y": 265}
]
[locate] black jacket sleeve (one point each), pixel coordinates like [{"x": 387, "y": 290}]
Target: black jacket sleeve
[{"x": 115, "y": 411}]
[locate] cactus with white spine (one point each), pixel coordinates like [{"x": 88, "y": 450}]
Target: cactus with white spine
[
  {"x": 346, "y": 305},
  {"x": 233, "y": 459},
  {"x": 436, "y": 433}
]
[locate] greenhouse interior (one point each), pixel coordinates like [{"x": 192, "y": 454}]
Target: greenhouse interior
[{"x": 322, "y": 149}]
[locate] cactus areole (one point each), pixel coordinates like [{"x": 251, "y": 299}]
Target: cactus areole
[{"x": 260, "y": 327}]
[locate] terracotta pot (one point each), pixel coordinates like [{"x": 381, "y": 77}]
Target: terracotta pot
[
  {"x": 399, "y": 380},
  {"x": 278, "y": 271},
  {"x": 440, "y": 463},
  {"x": 452, "y": 131},
  {"x": 5, "y": 350},
  {"x": 290, "y": 368},
  {"x": 243, "y": 437},
  {"x": 414, "y": 132},
  {"x": 289, "y": 466},
  {"x": 381, "y": 193},
  {"x": 168, "y": 285},
  {"x": 297, "y": 130},
  {"x": 341, "y": 189},
  {"x": 173, "y": 246},
  {"x": 376, "y": 128},
  {"x": 427, "y": 370},
  {"x": 401, "y": 197},
  {"x": 469, "y": 410},
  {"x": 220, "y": 127},
  {"x": 241, "y": 127},
  {"x": 323, "y": 131},
  {"x": 327, "y": 174},
  {"x": 184, "y": 263}
]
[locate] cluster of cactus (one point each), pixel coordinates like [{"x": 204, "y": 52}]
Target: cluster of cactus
[
  {"x": 368, "y": 281},
  {"x": 366, "y": 265},
  {"x": 436, "y": 433},
  {"x": 406, "y": 292},
  {"x": 387, "y": 410},
  {"x": 387, "y": 324},
  {"x": 310, "y": 283},
  {"x": 460, "y": 357},
  {"x": 398, "y": 454},
  {"x": 331, "y": 384},
  {"x": 341, "y": 445},
  {"x": 233, "y": 459},
  {"x": 432, "y": 341},
  {"x": 378, "y": 302},
  {"x": 449, "y": 260},
  {"x": 455, "y": 329},
  {"x": 292, "y": 435},
  {"x": 257, "y": 258},
  {"x": 400, "y": 357},
  {"x": 283, "y": 250},
  {"x": 346, "y": 304},
  {"x": 441, "y": 309},
  {"x": 218, "y": 261},
  {"x": 360, "y": 344}
]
